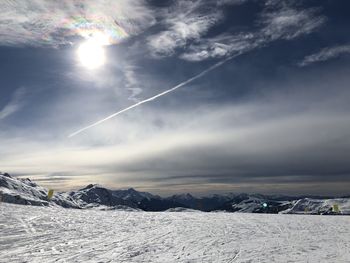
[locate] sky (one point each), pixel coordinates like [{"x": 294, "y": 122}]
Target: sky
[{"x": 215, "y": 96}]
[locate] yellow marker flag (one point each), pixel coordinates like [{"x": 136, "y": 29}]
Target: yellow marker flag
[
  {"x": 50, "y": 194},
  {"x": 336, "y": 208}
]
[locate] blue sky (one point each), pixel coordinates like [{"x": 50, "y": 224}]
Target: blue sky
[{"x": 271, "y": 117}]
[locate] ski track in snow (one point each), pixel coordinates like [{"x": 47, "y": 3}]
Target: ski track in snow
[{"x": 51, "y": 234}]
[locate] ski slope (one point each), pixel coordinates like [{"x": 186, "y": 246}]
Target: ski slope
[{"x": 55, "y": 234}]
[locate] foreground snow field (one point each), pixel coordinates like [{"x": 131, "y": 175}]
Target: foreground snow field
[{"x": 52, "y": 234}]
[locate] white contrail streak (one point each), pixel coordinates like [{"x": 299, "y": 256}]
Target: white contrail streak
[{"x": 154, "y": 97}]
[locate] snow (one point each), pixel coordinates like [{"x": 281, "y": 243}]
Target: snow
[
  {"x": 319, "y": 206},
  {"x": 26, "y": 192},
  {"x": 181, "y": 209},
  {"x": 55, "y": 234}
]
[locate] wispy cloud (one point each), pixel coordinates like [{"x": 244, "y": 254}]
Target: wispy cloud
[
  {"x": 288, "y": 22},
  {"x": 280, "y": 23},
  {"x": 139, "y": 103},
  {"x": 230, "y": 2},
  {"x": 184, "y": 21},
  {"x": 220, "y": 46},
  {"x": 132, "y": 82},
  {"x": 40, "y": 22},
  {"x": 325, "y": 54},
  {"x": 260, "y": 141},
  {"x": 14, "y": 105},
  {"x": 276, "y": 22}
]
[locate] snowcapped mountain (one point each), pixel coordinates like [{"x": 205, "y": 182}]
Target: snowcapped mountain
[
  {"x": 95, "y": 194},
  {"x": 186, "y": 200},
  {"x": 255, "y": 204},
  {"x": 207, "y": 203},
  {"x": 319, "y": 206},
  {"x": 230, "y": 202},
  {"x": 132, "y": 195},
  {"x": 26, "y": 192}
]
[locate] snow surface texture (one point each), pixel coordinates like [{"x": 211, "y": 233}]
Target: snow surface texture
[{"x": 55, "y": 234}]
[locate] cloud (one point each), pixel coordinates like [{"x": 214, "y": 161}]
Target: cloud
[
  {"x": 280, "y": 23},
  {"x": 220, "y": 46},
  {"x": 139, "y": 103},
  {"x": 184, "y": 21},
  {"x": 288, "y": 22},
  {"x": 325, "y": 54},
  {"x": 283, "y": 148},
  {"x": 53, "y": 23},
  {"x": 197, "y": 141},
  {"x": 132, "y": 82},
  {"x": 275, "y": 22},
  {"x": 230, "y": 2},
  {"x": 14, "y": 105},
  {"x": 288, "y": 136}
]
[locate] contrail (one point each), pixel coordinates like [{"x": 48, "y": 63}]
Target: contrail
[{"x": 154, "y": 97}]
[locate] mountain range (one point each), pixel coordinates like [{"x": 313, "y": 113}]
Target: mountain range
[{"x": 26, "y": 192}]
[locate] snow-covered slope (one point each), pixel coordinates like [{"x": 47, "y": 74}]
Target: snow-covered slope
[
  {"x": 42, "y": 234},
  {"x": 245, "y": 203},
  {"x": 320, "y": 206},
  {"x": 24, "y": 191},
  {"x": 181, "y": 209}
]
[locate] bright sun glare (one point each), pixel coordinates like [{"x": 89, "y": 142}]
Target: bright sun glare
[{"x": 91, "y": 54}]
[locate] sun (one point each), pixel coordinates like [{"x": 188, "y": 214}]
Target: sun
[{"x": 91, "y": 54}]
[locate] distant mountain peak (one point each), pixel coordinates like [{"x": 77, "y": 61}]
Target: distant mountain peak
[
  {"x": 185, "y": 196},
  {"x": 6, "y": 175},
  {"x": 92, "y": 186},
  {"x": 89, "y": 186}
]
